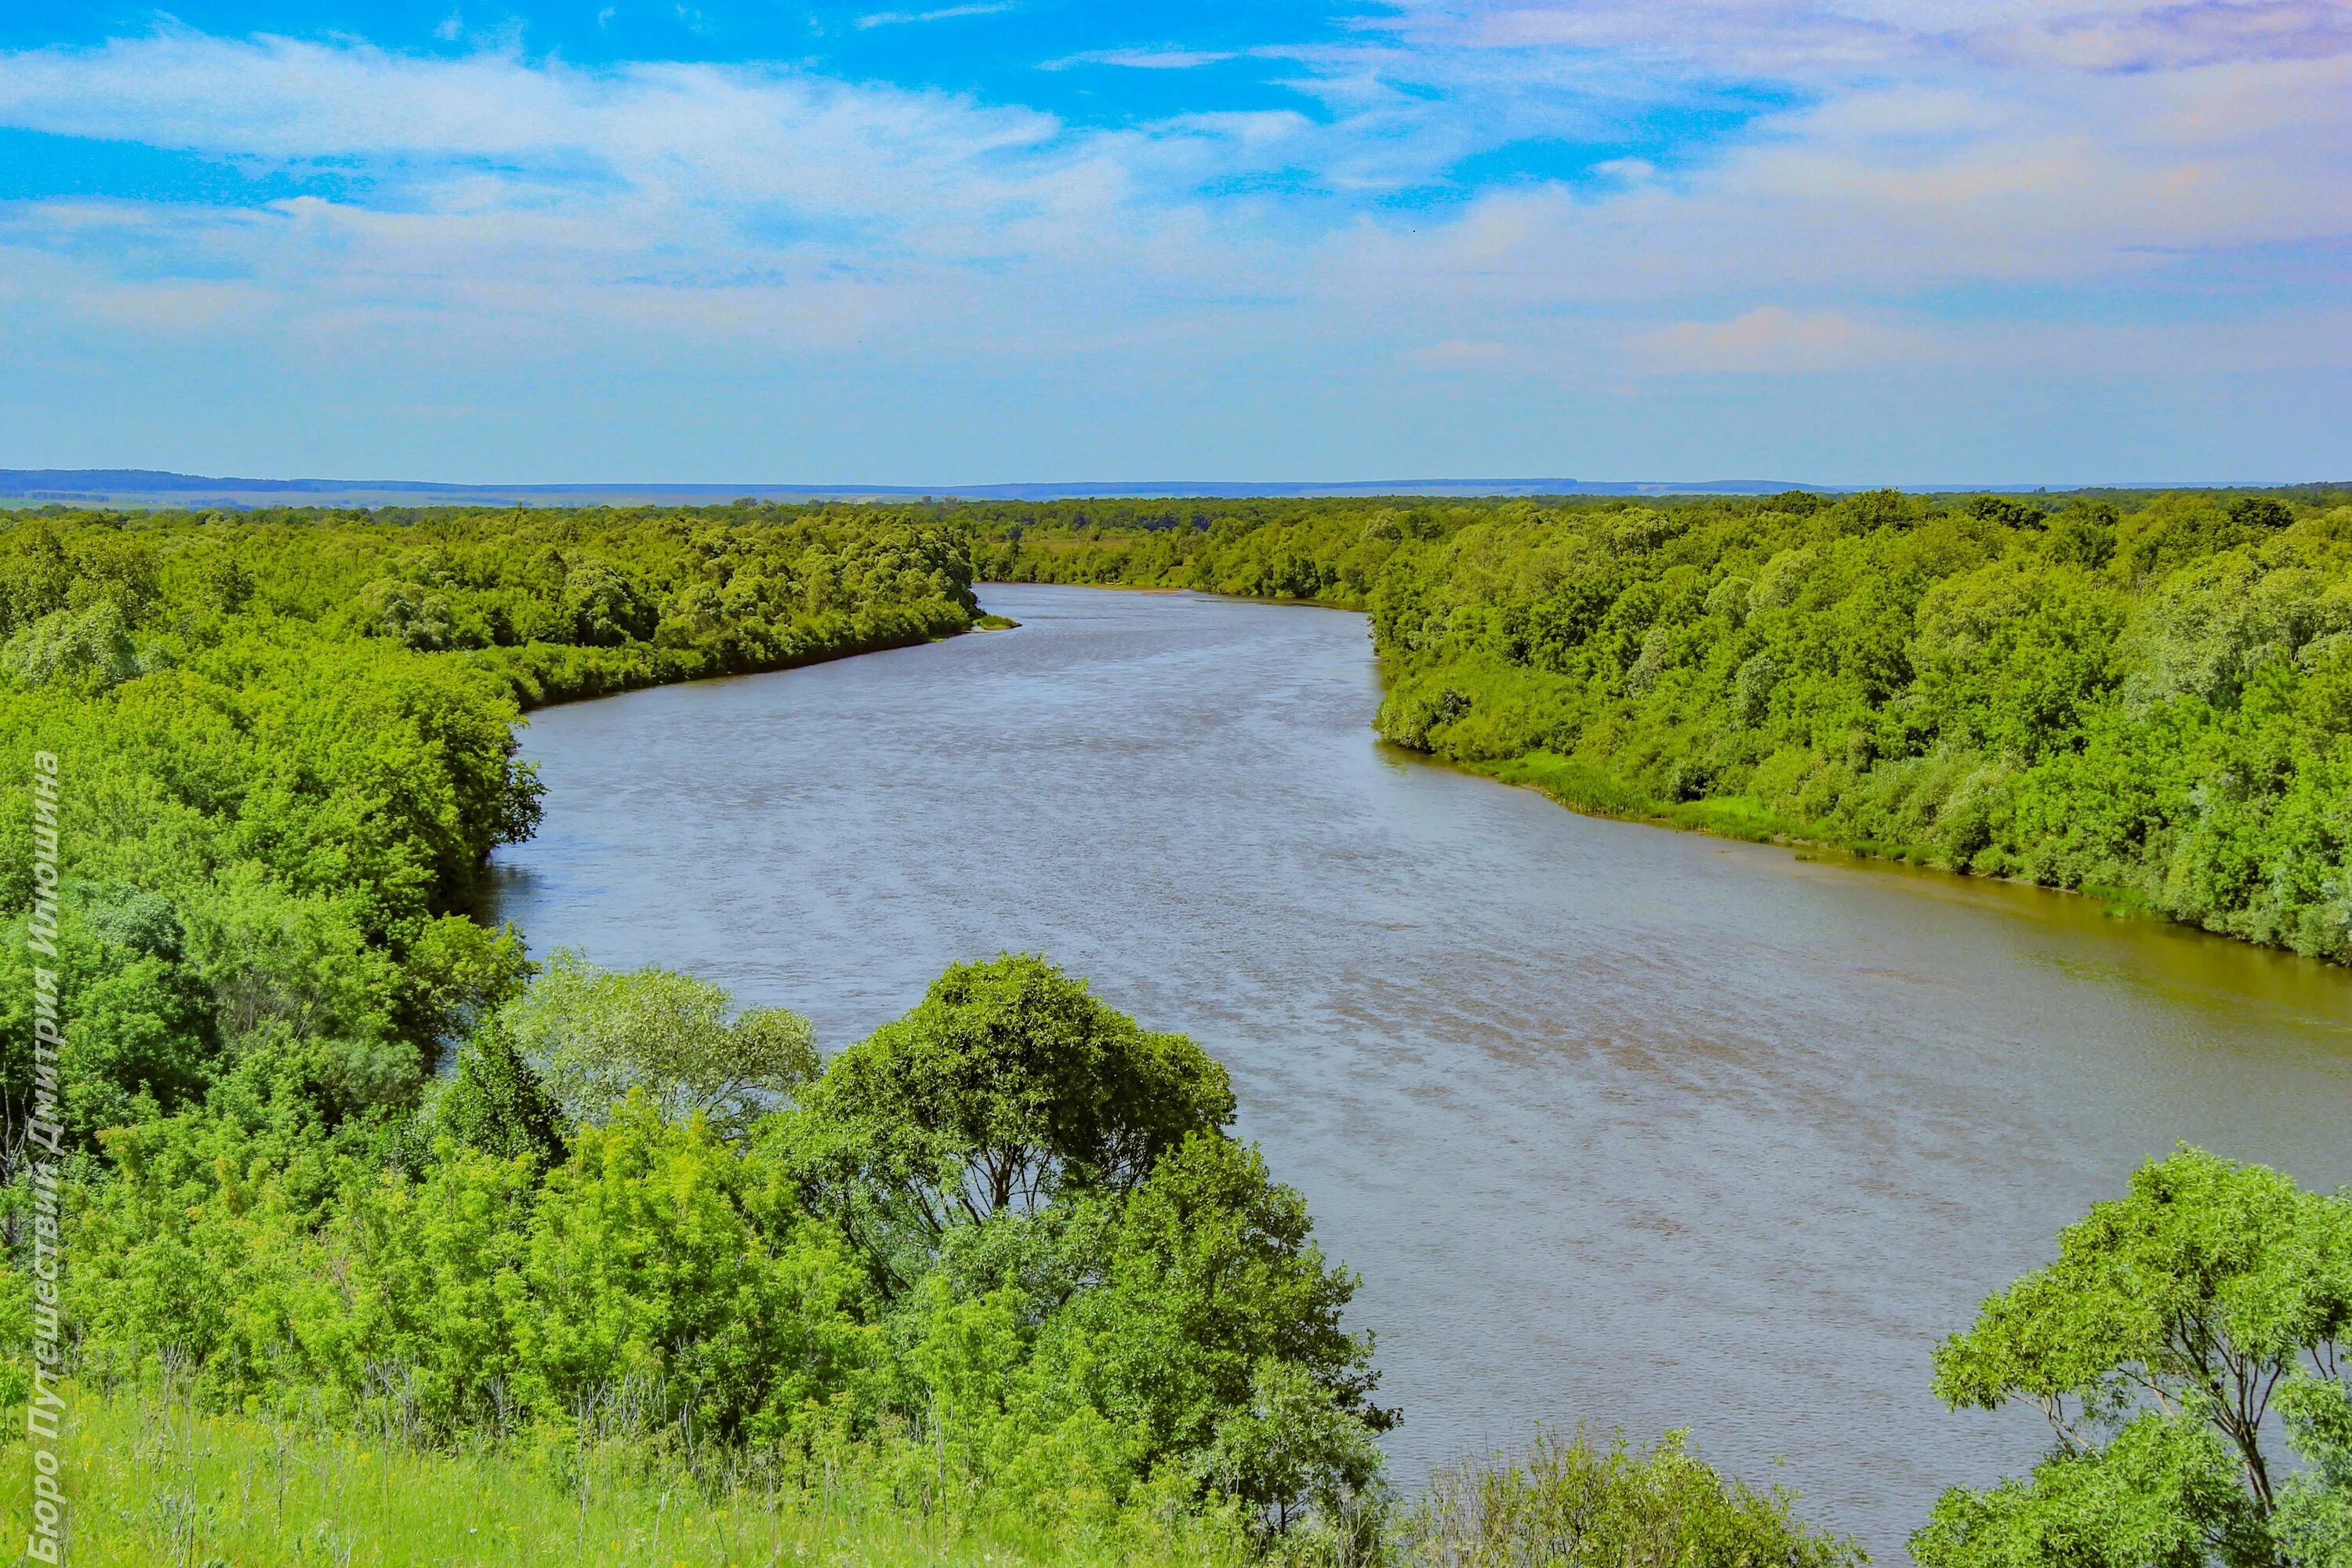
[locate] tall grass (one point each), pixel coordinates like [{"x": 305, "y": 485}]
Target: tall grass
[{"x": 154, "y": 1481}]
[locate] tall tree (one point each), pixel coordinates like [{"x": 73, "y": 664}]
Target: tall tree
[
  {"x": 1007, "y": 1084},
  {"x": 2174, "y": 1320}
]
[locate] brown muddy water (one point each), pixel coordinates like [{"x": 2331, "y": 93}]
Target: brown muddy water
[{"x": 1618, "y": 1125}]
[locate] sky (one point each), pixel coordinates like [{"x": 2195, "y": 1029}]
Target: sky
[{"x": 977, "y": 241}]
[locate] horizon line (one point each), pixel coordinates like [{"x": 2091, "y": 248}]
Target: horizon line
[{"x": 103, "y": 485}]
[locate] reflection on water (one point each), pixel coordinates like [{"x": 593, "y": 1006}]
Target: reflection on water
[{"x": 1617, "y": 1124}]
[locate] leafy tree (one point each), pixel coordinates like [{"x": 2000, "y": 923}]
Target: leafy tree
[
  {"x": 1290, "y": 1444},
  {"x": 1006, "y": 1085},
  {"x": 643, "y": 1264},
  {"x": 143, "y": 1041},
  {"x": 2157, "y": 1344},
  {"x": 2314, "y": 1511},
  {"x": 2261, "y": 511},
  {"x": 1217, "y": 1322},
  {"x": 411, "y": 614},
  {"x": 455, "y": 974},
  {"x": 605, "y": 607},
  {"x": 2164, "y": 1493},
  {"x": 90, "y": 646},
  {"x": 597, "y": 1036},
  {"x": 2083, "y": 534},
  {"x": 2006, "y": 510},
  {"x": 497, "y": 1102}
]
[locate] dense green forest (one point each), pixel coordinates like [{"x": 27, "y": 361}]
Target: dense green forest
[
  {"x": 2144, "y": 697},
  {"x": 379, "y": 1236}
]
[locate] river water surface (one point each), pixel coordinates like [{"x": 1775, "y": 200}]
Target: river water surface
[{"x": 1617, "y": 1124}]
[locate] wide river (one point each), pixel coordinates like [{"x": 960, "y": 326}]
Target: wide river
[{"x": 1618, "y": 1125}]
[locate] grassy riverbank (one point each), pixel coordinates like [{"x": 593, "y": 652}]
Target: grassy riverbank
[
  {"x": 159, "y": 1483},
  {"x": 2148, "y": 697},
  {"x": 166, "y": 1482}
]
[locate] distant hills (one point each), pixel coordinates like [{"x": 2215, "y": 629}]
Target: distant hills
[
  {"x": 154, "y": 487},
  {"x": 157, "y": 487}
]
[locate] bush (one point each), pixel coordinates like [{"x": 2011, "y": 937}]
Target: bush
[{"x": 1571, "y": 1504}]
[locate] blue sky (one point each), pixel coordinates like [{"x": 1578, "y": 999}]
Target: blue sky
[{"x": 1840, "y": 241}]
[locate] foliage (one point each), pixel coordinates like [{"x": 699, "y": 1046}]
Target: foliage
[
  {"x": 1216, "y": 1321},
  {"x": 292, "y": 734},
  {"x": 90, "y": 646},
  {"x": 1008, "y": 1083},
  {"x": 497, "y": 1102},
  {"x": 598, "y": 1036},
  {"x": 1574, "y": 1505},
  {"x": 2163, "y": 1494},
  {"x": 644, "y": 1261},
  {"x": 2157, "y": 1345},
  {"x": 1155, "y": 1331},
  {"x": 2314, "y": 1521}
]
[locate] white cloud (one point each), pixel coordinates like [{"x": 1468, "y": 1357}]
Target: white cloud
[
  {"x": 1810, "y": 38},
  {"x": 900, "y": 18},
  {"x": 1143, "y": 60}
]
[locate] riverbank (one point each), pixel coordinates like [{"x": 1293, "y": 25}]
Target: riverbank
[
  {"x": 541, "y": 675},
  {"x": 1590, "y": 792},
  {"x": 2152, "y": 706}
]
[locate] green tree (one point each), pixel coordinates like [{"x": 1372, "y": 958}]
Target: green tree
[
  {"x": 2314, "y": 1512},
  {"x": 598, "y": 1034},
  {"x": 497, "y": 1103},
  {"x": 143, "y": 1040},
  {"x": 644, "y": 1265},
  {"x": 1291, "y": 1452},
  {"x": 90, "y": 646},
  {"x": 1006, "y": 1085},
  {"x": 1214, "y": 1320},
  {"x": 2157, "y": 1344}
]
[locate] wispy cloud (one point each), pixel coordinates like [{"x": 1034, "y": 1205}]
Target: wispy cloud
[
  {"x": 945, "y": 13},
  {"x": 1163, "y": 59}
]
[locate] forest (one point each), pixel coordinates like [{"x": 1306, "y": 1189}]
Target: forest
[
  {"x": 383, "y": 1242},
  {"x": 2145, "y": 698}
]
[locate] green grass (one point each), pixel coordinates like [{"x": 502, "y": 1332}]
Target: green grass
[
  {"x": 1580, "y": 786},
  {"x": 153, "y": 1484}
]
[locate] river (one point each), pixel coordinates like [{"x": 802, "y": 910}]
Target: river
[{"x": 1617, "y": 1124}]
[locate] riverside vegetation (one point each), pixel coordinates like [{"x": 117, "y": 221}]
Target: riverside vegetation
[
  {"x": 2145, "y": 698},
  {"x": 388, "y": 1246}
]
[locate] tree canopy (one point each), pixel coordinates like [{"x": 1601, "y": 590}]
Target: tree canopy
[
  {"x": 2176, "y": 1323},
  {"x": 1008, "y": 1083}
]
